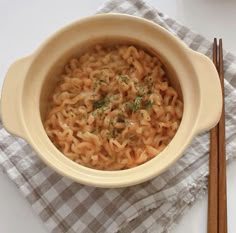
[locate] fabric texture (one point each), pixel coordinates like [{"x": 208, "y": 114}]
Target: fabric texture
[{"x": 153, "y": 206}]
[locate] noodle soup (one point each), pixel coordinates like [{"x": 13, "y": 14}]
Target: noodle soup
[{"x": 113, "y": 108}]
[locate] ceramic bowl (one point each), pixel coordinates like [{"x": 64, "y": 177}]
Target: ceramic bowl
[{"x": 30, "y": 80}]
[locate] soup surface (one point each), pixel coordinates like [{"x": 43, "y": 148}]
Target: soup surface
[{"x": 113, "y": 108}]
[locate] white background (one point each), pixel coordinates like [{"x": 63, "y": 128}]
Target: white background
[{"x": 25, "y": 24}]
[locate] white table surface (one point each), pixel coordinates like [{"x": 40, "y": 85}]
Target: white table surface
[{"x": 25, "y": 24}]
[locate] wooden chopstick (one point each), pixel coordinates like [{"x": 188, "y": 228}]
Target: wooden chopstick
[
  {"x": 212, "y": 226},
  {"x": 217, "y": 194},
  {"x": 222, "y": 204}
]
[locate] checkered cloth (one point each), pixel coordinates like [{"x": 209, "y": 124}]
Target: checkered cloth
[{"x": 154, "y": 206}]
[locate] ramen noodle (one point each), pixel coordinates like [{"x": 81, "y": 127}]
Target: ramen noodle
[{"x": 113, "y": 108}]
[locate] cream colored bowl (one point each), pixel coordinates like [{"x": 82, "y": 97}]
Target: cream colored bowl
[{"x": 30, "y": 80}]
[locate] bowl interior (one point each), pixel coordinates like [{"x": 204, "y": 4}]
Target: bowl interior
[{"x": 73, "y": 40}]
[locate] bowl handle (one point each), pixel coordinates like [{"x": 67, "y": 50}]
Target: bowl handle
[
  {"x": 210, "y": 92},
  {"x": 11, "y": 106}
]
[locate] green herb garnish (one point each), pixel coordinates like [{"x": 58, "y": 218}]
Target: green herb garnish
[
  {"x": 129, "y": 106},
  {"x": 100, "y": 103},
  {"x": 127, "y": 122},
  {"x": 137, "y": 103},
  {"x": 99, "y": 82},
  {"x": 148, "y": 104},
  {"x": 112, "y": 134},
  {"x": 108, "y": 134},
  {"x": 124, "y": 78}
]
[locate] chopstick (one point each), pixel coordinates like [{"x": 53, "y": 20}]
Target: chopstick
[
  {"x": 217, "y": 194},
  {"x": 213, "y": 171},
  {"x": 222, "y": 204}
]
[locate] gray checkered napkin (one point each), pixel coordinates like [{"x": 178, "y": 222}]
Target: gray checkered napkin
[{"x": 154, "y": 206}]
